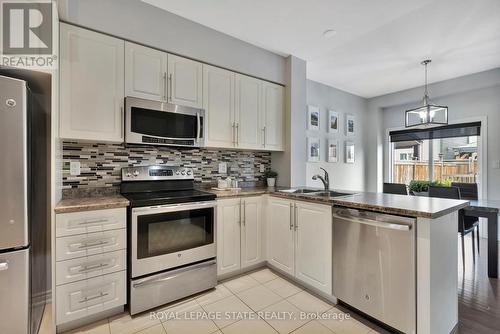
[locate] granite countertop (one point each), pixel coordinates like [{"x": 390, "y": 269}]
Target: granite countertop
[
  {"x": 412, "y": 206},
  {"x": 251, "y": 191},
  {"x": 91, "y": 203}
]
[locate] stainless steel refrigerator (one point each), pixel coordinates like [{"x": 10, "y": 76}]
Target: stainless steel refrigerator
[{"x": 23, "y": 207}]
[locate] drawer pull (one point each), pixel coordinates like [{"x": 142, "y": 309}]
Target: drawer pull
[
  {"x": 93, "y": 267},
  {"x": 94, "y": 221},
  {"x": 86, "y": 299},
  {"x": 93, "y": 244}
]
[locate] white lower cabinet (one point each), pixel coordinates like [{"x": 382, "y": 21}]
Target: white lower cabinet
[
  {"x": 90, "y": 296},
  {"x": 91, "y": 263},
  {"x": 300, "y": 241},
  {"x": 281, "y": 235},
  {"x": 239, "y": 233}
]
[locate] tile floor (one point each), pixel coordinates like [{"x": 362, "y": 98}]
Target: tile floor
[{"x": 260, "y": 302}]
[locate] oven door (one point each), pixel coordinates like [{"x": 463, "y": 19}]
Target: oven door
[
  {"x": 161, "y": 123},
  {"x": 169, "y": 236}
]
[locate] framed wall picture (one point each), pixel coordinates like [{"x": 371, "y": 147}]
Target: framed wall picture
[
  {"x": 350, "y": 125},
  {"x": 313, "y": 117},
  {"x": 313, "y": 148},
  {"x": 333, "y": 150},
  {"x": 349, "y": 152},
  {"x": 333, "y": 121}
]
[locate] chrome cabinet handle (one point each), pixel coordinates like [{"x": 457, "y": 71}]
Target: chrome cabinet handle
[
  {"x": 264, "y": 137},
  {"x": 244, "y": 212},
  {"x": 295, "y": 217},
  {"x": 198, "y": 127},
  {"x": 94, "y": 221},
  {"x": 291, "y": 216},
  {"x": 170, "y": 87},
  {"x": 93, "y": 244},
  {"x": 93, "y": 267},
  {"x": 164, "y": 86},
  {"x": 4, "y": 266},
  {"x": 237, "y": 133},
  {"x": 232, "y": 132},
  {"x": 240, "y": 220},
  {"x": 86, "y": 299}
]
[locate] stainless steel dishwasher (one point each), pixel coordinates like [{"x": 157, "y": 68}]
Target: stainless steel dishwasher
[{"x": 374, "y": 261}]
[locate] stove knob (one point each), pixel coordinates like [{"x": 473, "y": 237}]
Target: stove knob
[
  {"x": 136, "y": 173},
  {"x": 128, "y": 174},
  {"x": 183, "y": 172},
  {"x": 189, "y": 172},
  {"x": 177, "y": 172}
]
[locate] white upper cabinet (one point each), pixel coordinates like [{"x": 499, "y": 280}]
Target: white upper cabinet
[
  {"x": 251, "y": 232},
  {"x": 273, "y": 118},
  {"x": 313, "y": 252},
  {"x": 91, "y": 88},
  {"x": 218, "y": 102},
  {"x": 145, "y": 72},
  {"x": 185, "y": 81},
  {"x": 248, "y": 111}
]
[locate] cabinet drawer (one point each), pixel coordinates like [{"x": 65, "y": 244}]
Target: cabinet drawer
[
  {"x": 87, "y": 297},
  {"x": 74, "y": 223},
  {"x": 90, "y": 244},
  {"x": 90, "y": 266}
]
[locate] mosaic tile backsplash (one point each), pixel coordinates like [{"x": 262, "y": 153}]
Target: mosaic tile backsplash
[{"x": 100, "y": 164}]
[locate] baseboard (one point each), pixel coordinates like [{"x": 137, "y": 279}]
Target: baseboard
[
  {"x": 62, "y": 328},
  {"x": 305, "y": 286},
  {"x": 241, "y": 271}
]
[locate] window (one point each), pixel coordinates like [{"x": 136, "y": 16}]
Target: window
[{"x": 443, "y": 153}]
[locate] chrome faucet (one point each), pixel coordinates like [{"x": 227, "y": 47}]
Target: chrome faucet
[{"x": 325, "y": 180}]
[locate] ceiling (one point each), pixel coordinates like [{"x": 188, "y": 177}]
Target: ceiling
[{"x": 378, "y": 44}]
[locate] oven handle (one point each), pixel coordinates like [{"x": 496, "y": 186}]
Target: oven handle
[
  {"x": 170, "y": 275},
  {"x": 175, "y": 207}
]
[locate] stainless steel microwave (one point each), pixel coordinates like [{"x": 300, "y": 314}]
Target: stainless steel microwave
[{"x": 161, "y": 123}]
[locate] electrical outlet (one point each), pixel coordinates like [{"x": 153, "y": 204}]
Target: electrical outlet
[
  {"x": 262, "y": 168},
  {"x": 222, "y": 167},
  {"x": 74, "y": 168},
  {"x": 496, "y": 164}
]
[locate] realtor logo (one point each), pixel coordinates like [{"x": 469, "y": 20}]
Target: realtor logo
[
  {"x": 26, "y": 28},
  {"x": 26, "y": 34}
]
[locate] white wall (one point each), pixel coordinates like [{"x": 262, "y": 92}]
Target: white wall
[
  {"x": 291, "y": 174},
  {"x": 139, "y": 22},
  {"x": 476, "y": 95},
  {"x": 342, "y": 176}
]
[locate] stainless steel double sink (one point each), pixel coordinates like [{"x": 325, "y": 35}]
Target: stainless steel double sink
[{"x": 314, "y": 192}]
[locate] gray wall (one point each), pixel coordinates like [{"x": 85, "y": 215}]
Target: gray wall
[
  {"x": 142, "y": 23},
  {"x": 342, "y": 175},
  {"x": 468, "y": 97}
]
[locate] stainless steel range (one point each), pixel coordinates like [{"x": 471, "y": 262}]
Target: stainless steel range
[{"x": 171, "y": 229}]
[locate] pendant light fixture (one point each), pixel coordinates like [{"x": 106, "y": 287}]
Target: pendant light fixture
[{"x": 428, "y": 114}]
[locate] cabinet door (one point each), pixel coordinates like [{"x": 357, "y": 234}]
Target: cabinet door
[
  {"x": 91, "y": 89},
  {"x": 273, "y": 116},
  {"x": 251, "y": 231},
  {"x": 228, "y": 235},
  {"x": 248, "y": 111},
  {"x": 280, "y": 234},
  {"x": 185, "y": 79},
  {"x": 145, "y": 72},
  {"x": 218, "y": 102},
  {"x": 313, "y": 252}
]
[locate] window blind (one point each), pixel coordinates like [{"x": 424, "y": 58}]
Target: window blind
[{"x": 447, "y": 131}]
